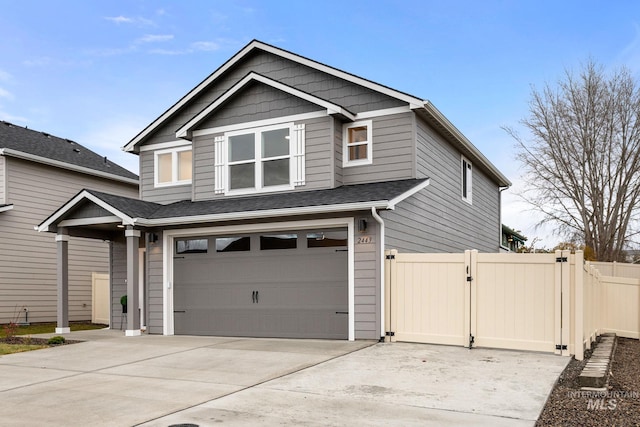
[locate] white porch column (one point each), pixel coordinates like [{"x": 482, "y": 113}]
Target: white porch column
[
  {"x": 62, "y": 243},
  {"x": 133, "y": 318}
]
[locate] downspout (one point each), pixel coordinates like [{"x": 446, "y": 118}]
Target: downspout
[
  {"x": 500, "y": 215},
  {"x": 379, "y": 220}
]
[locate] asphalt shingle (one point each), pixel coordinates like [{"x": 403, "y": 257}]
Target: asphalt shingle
[{"x": 42, "y": 144}]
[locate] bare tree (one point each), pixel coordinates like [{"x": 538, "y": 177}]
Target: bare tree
[{"x": 582, "y": 160}]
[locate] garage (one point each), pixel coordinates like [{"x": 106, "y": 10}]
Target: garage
[{"x": 290, "y": 284}]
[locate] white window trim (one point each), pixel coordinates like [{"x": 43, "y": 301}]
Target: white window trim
[
  {"x": 345, "y": 144},
  {"x": 258, "y": 160},
  {"x": 174, "y": 167},
  {"x": 468, "y": 173}
]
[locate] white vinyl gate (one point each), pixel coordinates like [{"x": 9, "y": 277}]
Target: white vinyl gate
[{"x": 510, "y": 301}]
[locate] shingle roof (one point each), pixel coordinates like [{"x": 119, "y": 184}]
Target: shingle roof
[
  {"x": 346, "y": 194},
  {"x": 51, "y": 147}
]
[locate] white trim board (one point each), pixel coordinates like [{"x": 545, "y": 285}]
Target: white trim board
[{"x": 168, "y": 247}]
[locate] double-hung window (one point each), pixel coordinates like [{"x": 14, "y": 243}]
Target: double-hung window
[
  {"x": 260, "y": 160},
  {"x": 357, "y": 143},
  {"x": 173, "y": 166},
  {"x": 466, "y": 175}
]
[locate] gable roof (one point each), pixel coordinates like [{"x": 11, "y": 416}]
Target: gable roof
[
  {"x": 20, "y": 142},
  {"x": 423, "y": 107},
  {"x": 379, "y": 195},
  {"x": 332, "y": 109}
]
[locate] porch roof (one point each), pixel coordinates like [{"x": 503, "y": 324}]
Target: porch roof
[{"x": 379, "y": 195}]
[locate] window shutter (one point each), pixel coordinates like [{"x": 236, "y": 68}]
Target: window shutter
[
  {"x": 219, "y": 164},
  {"x": 298, "y": 155}
]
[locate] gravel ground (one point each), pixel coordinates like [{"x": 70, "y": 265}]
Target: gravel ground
[{"x": 620, "y": 406}]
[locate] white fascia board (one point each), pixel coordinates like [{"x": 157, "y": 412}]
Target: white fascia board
[
  {"x": 185, "y": 131},
  {"x": 6, "y": 208},
  {"x": 64, "y": 165},
  {"x": 90, "y": 221},
  {"x": 163, "y": 145},
  {"x": 440, "y": 118},
  {"x": 44, "y": 226},
  {"x": 254, "y": 124},
  {"x": 307, "y": 210},
  {"x": 412, "y": 101},
  {"x": 393, "y": 202}
]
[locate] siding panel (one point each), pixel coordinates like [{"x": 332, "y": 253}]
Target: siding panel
[
  {"x": 28, "y": 258},
  {"x": 437, "y": 219}
]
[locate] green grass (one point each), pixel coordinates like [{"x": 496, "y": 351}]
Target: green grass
[
  {"x": 49, "y": 328},
  {"x": 17, "y": 348}
]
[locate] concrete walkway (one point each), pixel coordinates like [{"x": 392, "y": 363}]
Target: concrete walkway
[{"x": 111, "y": 380}]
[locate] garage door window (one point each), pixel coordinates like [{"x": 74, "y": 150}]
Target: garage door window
[
  {"x": 278, "y": 241},
  {"x": 192, "y": 246},
  {"x": 233, "y": 244},
  {"x": 324, "y": 239}
]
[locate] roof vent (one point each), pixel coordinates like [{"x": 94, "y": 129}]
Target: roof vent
[
  {"x": 8, "y": 124},
  {"x": 76, "y": 150},
  {"x": 46, "y": 134},
  {"x": 105, "y": 160},
  {"x": 69, "y": 141}
]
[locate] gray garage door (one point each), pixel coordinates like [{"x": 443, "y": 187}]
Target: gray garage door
[{"x": 289, "y": 285}]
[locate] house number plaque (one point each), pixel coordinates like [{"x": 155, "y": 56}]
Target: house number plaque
[{"x": 363, "y": 240}]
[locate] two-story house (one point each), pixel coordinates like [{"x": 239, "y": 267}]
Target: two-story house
[
  {"x": 269, "y": 193},
  {"x": 38, "y": 173}
]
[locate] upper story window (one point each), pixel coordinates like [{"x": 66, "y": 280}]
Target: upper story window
[
  {"x": 260, "y": 160},
  {"x": 467, "y": 173},
  {"x": 173, "y": 166},
  {"x": 357, "y": 142}
]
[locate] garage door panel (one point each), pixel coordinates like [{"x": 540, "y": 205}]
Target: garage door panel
[{"x": 301, "y": 293}]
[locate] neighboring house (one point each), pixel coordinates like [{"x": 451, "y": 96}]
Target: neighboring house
[
  {"x": 39, "y": 172},
  {"x": 269, "y": 194},
  {"x": 511, "y": 240}
]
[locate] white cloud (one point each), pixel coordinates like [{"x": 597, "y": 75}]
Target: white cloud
[
  {"x": 120, "y": 19},
  {"x": 4, "y": 76},
  {"x": 154, "y": 38},
  {"x": 107, "y": 139},
  {"x": 6, "y": 94},
  {"x": 205, "y": 46},
  {"x": 144, "y": 22}
]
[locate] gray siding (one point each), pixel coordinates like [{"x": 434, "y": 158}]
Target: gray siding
[
  {"x": 258, "y": 102},
  {"x": 3, "y": 182},
  {"x": 437, "y": 219},
  {"x": 88, "y": 210},
  {"x": 392, "y": 150},
  {"x": 118, "y": 277},
  {"x": 164, "y": 195},
  {"x": 154, "y": 286},
  {"x": 341, "y": 92},
  {"x": 337, "y": 152},
  {"x": 367, "y": 282},
  {"x": 319, "y": 148},
  {"x": 28, "y": 258}
]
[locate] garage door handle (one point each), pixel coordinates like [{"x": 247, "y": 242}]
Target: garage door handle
[
  {"x": 179, "y": 311},
  {"x": 342, "y": 312},
  {"x": 257, "y": 297},
  {"x": 253, "y": 297}
]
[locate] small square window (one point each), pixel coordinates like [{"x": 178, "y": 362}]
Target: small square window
[
  {"x": 278, "y": 241},
  {"x": 233, "y": 244},
  {"x": 173, "y": 166},
  {"x": 357, "y": 144},
  {"x": 192, "y": 246}
]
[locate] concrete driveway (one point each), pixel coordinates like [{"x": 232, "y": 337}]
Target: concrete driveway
[{"x": 111, "y": 380}]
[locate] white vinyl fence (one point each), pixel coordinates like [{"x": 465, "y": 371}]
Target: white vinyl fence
[{"x": 542, "y": 302}]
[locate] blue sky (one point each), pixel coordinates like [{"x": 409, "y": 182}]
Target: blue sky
[{"x": 99, "y": 72}]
